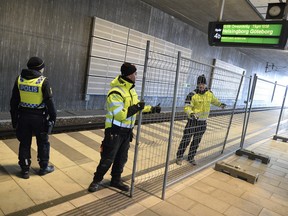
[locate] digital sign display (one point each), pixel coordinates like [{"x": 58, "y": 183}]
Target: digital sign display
[{"x": 262, "y": 34}]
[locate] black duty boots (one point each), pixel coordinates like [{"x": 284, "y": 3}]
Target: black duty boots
[
  {"x": 115, "y": 182},
  {"x": 47, "y": 170},
  {"x": 25, "y": 174},
  {"x": 94, "y": 186},
  {"x": 118, "y": 183},
  {"x": 192, "y": 162}
]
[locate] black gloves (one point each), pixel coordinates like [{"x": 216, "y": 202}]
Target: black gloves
[
  {"x": 140, "y": 105},
  {"x": 193, "y": 116},
  {"x": 135, "y": 108},
  {"x": 156, "y": 109},
  {"x": 49, "y": 126},
  {"x": 53, "y": 120},
  {"x": 223, "y": 105},
  {"x": 131, "y": 136}
]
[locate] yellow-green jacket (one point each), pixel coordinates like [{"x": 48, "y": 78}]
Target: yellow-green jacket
[
  {"x": 121, "y": 96},
  {"x": 199, "y": 103}
]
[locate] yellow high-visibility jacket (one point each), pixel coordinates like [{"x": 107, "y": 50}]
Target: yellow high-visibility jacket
[
  {"x": 31, "y": 92},
  {"x": 121, "y": 96},
  {"x": 199, "y": 104}
]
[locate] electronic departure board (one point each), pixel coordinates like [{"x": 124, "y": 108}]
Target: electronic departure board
[{"x": 261, "y": 34}]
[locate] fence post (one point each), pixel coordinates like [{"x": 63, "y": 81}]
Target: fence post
[
  {"x": 250, "y": 108},
  {"x": 274, "y": 89},
  {"x": 281, "y": 112},
  {"x": 234, "y": 107},
  {"x": 171, "y": 125},
  {"x": 139, "y": 119},
  {"x": 245, "y": 113}
]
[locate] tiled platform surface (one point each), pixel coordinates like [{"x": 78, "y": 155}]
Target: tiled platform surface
[
  {"x": 207, "y": 193},
  {"x": 75, "y": 156}
]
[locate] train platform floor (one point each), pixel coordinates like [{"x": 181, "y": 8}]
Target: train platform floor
[{"x": 75, "y": 156}]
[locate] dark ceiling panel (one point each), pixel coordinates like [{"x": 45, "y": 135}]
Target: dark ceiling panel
[{"x": 198, "y": 13}]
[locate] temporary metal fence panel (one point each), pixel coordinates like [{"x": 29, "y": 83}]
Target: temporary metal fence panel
[
  {"x": 152, "y": 140},
  {"x": 266, "y": 96},
  {"x": 227, "y": 85},
  {"x": 282, "y": 126},
  {"x": 157, "y": 141},
  {"x": 157, "y": 88}
]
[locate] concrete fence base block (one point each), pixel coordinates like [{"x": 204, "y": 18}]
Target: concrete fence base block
[
  {"x": 253, "y": 156},
  {"x": 237, "y": 172},
  {"x": 284, "y": 139}
]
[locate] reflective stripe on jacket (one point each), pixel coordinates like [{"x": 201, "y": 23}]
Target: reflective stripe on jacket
[
  {"x": 200, "y": 104},
  {"x": 121, "y": 96},
  {"x": 31, "y": 92}
]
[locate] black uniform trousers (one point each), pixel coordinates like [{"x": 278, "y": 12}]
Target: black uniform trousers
[
  {"x": 195, "y": 128},
  {"x": 28, "y": 125},
  {"x": 114, "y": 149}
]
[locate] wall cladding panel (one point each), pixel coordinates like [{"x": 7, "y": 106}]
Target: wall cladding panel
[{"x": 130, "y": 46}]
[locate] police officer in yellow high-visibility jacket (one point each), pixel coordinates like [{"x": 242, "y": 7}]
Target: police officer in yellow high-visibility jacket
[
  {"x": 197, "y": 107},
  {"x": 33, "y": 112},
  {"x": 122, "y": 106}
]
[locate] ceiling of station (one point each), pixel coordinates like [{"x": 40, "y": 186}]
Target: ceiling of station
[
  {"x": 261, "y": 5},
  {"x": 198, "y": 13}
]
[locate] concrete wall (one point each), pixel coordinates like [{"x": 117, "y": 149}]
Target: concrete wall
[{"x": 58, "y": 31}]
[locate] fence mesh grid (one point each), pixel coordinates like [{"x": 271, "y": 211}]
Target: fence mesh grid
[
  {"x": 154, "y": 136},
  {"x": 211, "y": 144},
  {"x": 265, "y": 96},
  {"x": 268, "y": 96},
  {"x": 283, "y": 121}
]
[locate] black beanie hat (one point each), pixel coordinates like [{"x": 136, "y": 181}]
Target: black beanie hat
[
  {"x": 35, "y": 63},
  {"x": 127, "y": 69},
  {"x": 201, "y": 79}
]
